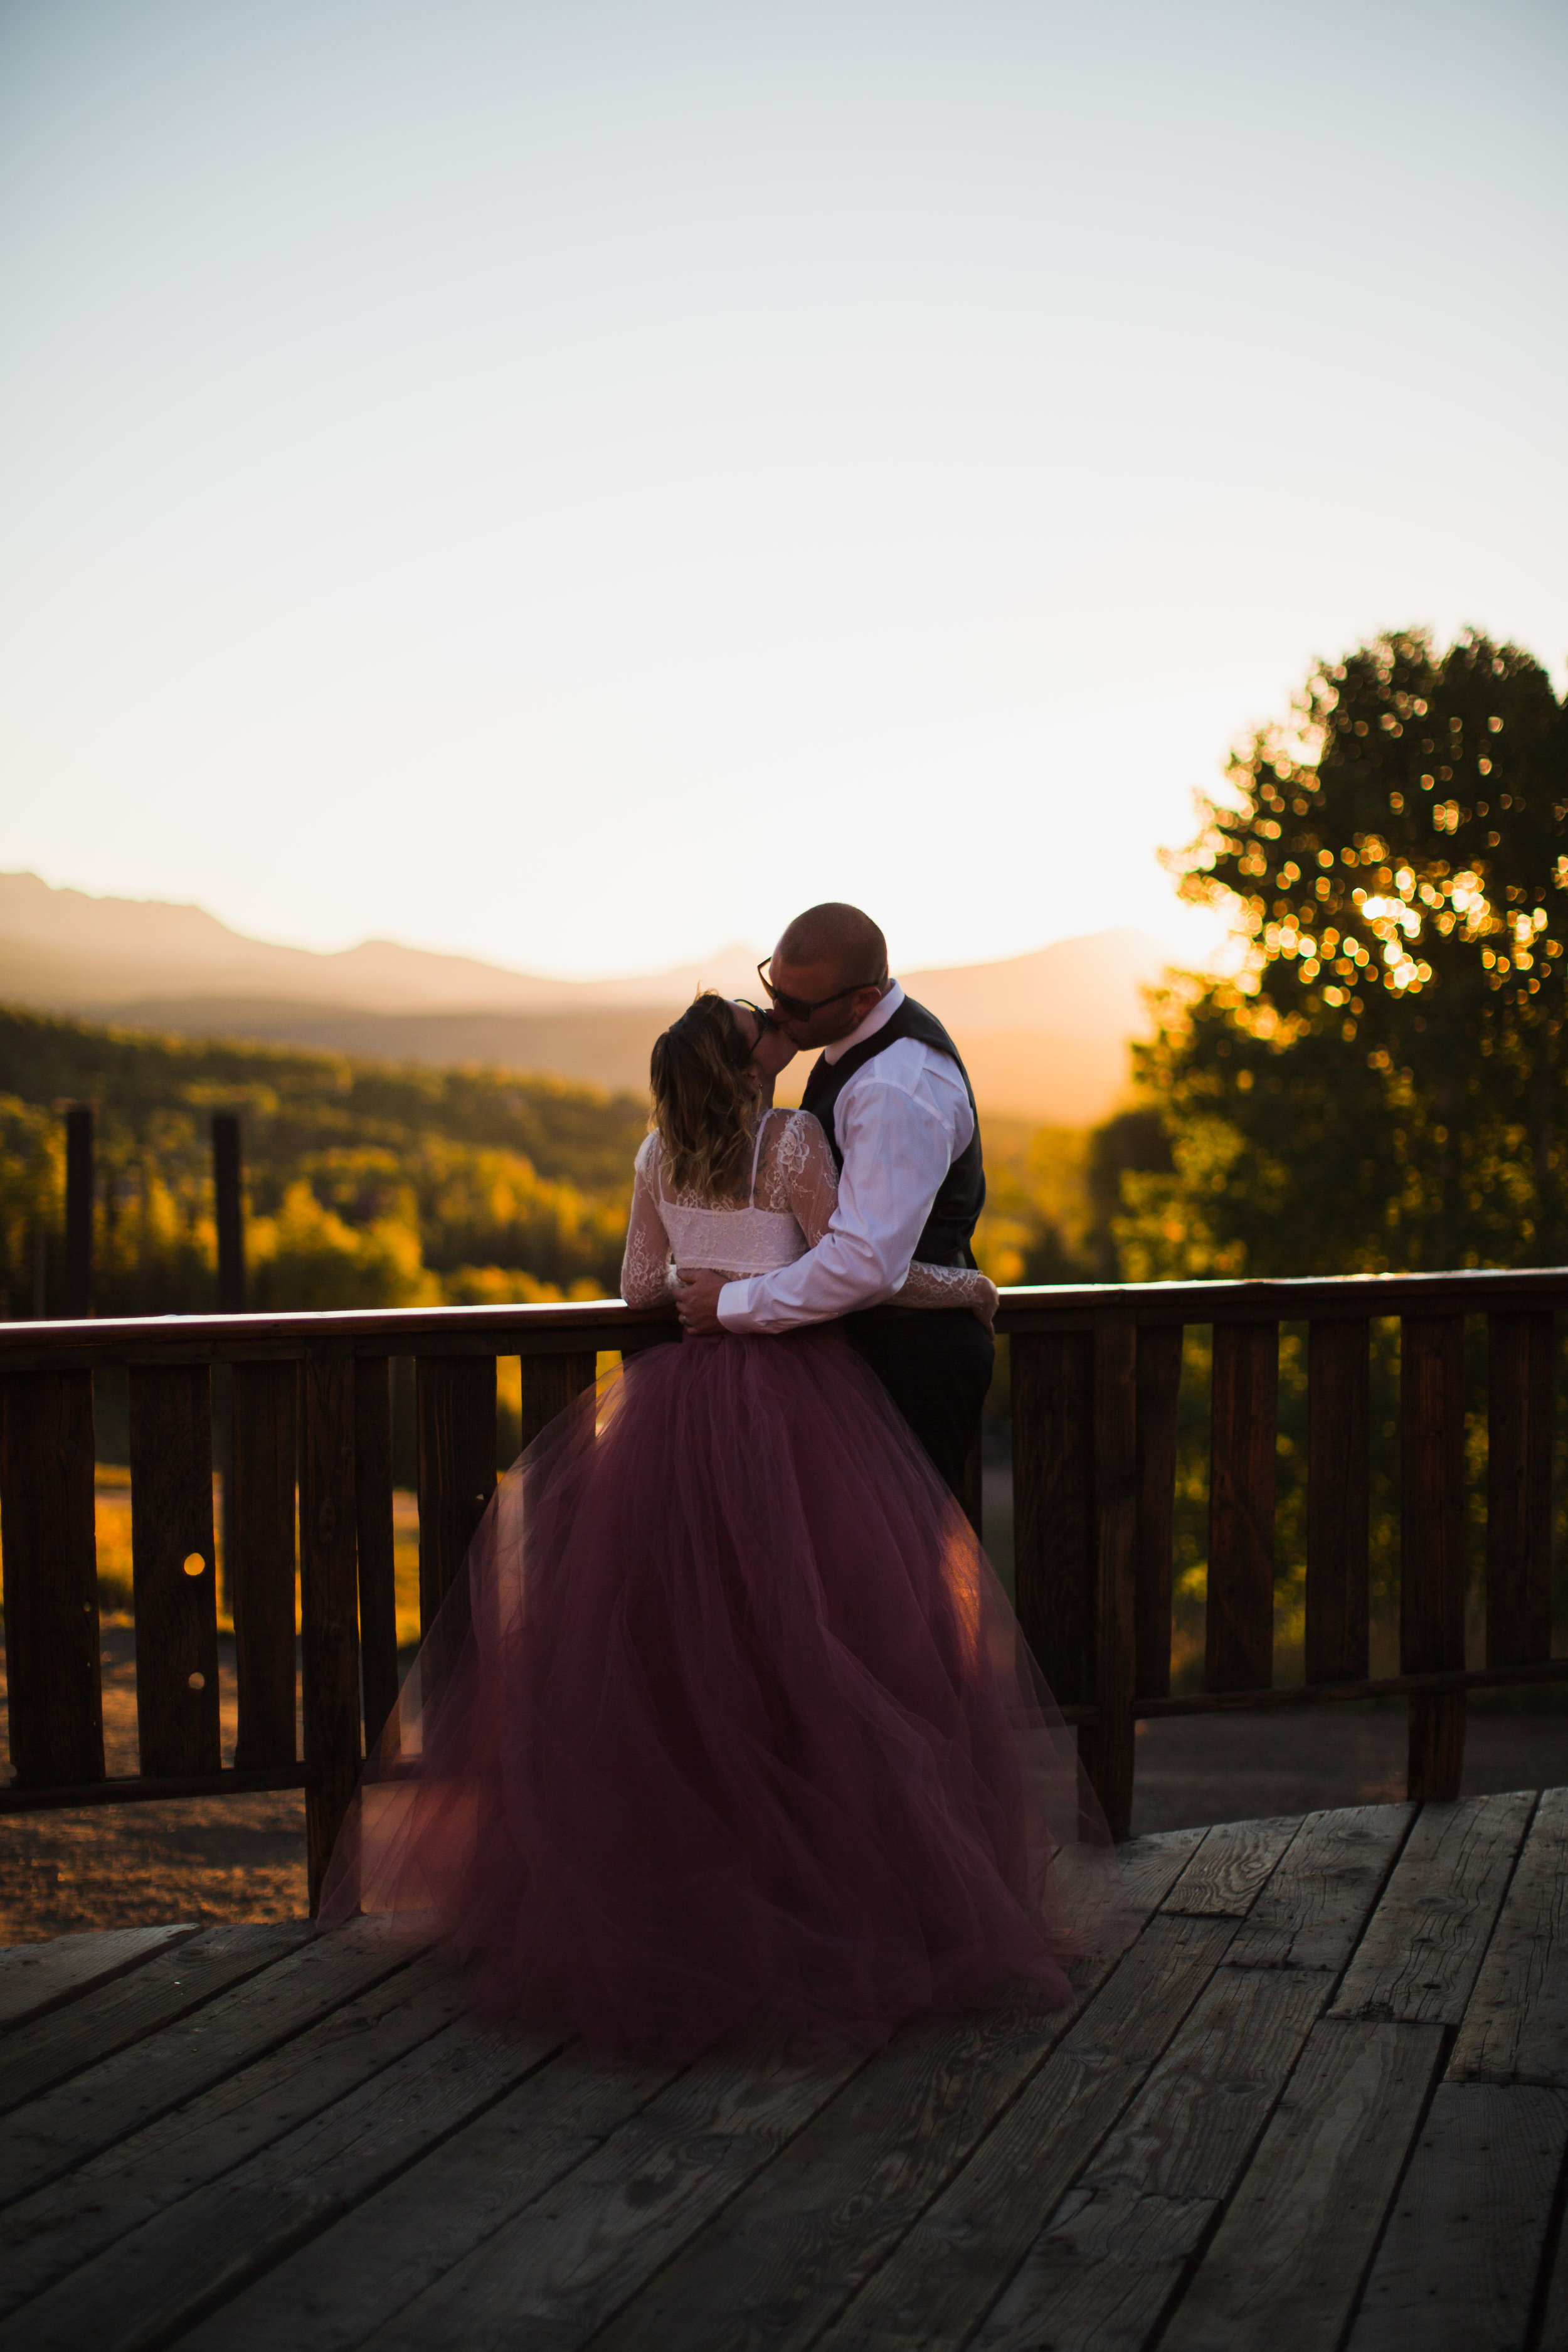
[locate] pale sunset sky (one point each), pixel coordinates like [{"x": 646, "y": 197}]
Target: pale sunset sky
[{"x": 572, "y": 480}]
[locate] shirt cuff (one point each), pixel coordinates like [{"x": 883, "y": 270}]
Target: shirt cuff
[{"x": 735, "y": 1304}]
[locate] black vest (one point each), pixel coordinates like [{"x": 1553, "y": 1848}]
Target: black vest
[{"x": 961, "y": 1194}]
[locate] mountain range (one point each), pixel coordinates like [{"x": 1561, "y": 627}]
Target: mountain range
[{"x": 1044, "y": 1036}]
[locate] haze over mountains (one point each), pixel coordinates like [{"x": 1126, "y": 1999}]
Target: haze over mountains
[{"x": 1044, "y": 1036}]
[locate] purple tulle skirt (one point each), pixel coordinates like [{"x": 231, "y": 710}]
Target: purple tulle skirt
[{"x": 730, "y": 1730}]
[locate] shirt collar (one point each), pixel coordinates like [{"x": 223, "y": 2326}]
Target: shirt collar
[{"x": 881, "y": 1013}]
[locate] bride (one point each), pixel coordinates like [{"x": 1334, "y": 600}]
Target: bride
[{"x": 730, "y": 1730}]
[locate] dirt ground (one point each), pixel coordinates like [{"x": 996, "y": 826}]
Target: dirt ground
[
  {"x": 207, "y": 1859},
  {"x": 244, "y": 1858}
]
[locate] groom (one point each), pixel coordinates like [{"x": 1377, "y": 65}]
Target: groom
[{"x": 898, "y": 1111}]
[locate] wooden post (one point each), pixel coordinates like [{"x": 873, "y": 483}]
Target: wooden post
[
  {"x": 1432, "y": 1542},
  {"x": 1107, "y": 1746},
  {"x": 230, "y": 1222},
  {"x": 50, "y": 1577},
  {"x": 1518, "y": 1488},
  {"x": 1339, "y": 1450},
  {"x": 373, "y": 1517},
  {"x": 1053, "y": 1528},
  {"x": 1239, "y": 1617},
  {"x": 77, "y": 1303},
  {"x": 328, "y": 1603},
  {"x": 1159, "y": 1394},
  {"x": 260, "y": 1559},
  {"x": 172, "y": 1571},
  {"x": 456, "y": 1401}
]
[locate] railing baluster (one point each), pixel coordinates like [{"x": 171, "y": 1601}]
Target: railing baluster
[
  {"x": 1093, "y": 1512},
  {"x": 1159, "y": 1394},
  {"x": 457, "y": 1412},
  {"x": 172, "y": 1569},
  {"x": 1339, "y": 1449},
  {"x": 1432, "y": 1542},
  {"x": 1239, "y": 1618},
  {"x": 50, "y": 1577},
  {"x": 373, "y": 1514},
  {"x": 1053, "y": 1529},
  {"x": 1518, "y": 1488},
  {"x": 549, "y": 1385},
  {"x": 1107, "y": 1746},
  {"x": 259, "y": 1567},
  {"x": 328, "y": 1602}
]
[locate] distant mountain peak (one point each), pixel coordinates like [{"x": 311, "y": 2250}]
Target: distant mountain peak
[{"x": 1045, "y": 1035}]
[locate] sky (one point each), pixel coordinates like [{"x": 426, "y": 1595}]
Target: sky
[{"x": 575, "y": 480}]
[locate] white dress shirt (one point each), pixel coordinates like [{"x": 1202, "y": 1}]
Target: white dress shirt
[{"x": 902, "y": 1121}]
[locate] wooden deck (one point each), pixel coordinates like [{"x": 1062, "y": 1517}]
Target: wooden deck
[{"x": 1323, "y": 2101}]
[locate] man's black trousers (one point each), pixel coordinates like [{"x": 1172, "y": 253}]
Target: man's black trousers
[{"x": 936, "y": 1363}]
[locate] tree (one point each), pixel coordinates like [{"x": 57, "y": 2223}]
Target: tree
[{"x": 1381, "y": 1082}]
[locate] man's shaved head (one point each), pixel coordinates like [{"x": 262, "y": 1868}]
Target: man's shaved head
[{"x": 839, "y": 937}]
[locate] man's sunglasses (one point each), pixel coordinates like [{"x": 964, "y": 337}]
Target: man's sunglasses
[{"x": 795, "y": 1008}]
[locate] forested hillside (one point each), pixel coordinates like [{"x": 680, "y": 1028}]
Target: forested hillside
[
  {"x": 366, "y": 1184},
  {"x": 376, "y": 1185}
]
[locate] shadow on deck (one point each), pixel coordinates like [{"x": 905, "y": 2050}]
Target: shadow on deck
[{"x": 1321, "y": 2101}]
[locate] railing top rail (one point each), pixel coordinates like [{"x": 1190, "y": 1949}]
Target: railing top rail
[
  {"x": 555, "y": 1327},
  {"x": 580, "y": 1324},
  {"x": 1471, "y": 1290}
]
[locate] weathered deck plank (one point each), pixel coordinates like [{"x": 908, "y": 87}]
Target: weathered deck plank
[
  {"x": 1106, "y": 2260},
  {"x": 1554, "y": 2318},
  {"x": 1316, "y": 1903},
  {"x": 103, "y": 2104},
  {"x": 951, "y": 2266},
  {"x": 239, "y": 2139},
  {"x": 36, "y": 1977},
  {"x": 1418, "y": 1961},
  {"x": 68, "y": 2222},
  {"x": 1516, "y": 2022},
  {"x": 555, "y": 2276},
  {"x": 789, "y": 2252},
  {"x": 1151, "y": 2192},
  {"x": 170, "y": 1985},
  {"x": 1225, "y": 1873},
  {"x": 361, "y": 2272},
  {"x": 1284, "y": 2266},
  {"x": 1463, "y": 2248},
  {"x": 1150, "y": 1866},
  {"x": 159, "y": 2280}
]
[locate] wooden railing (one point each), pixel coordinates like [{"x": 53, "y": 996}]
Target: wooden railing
[{"x": 1095, "y": 1376}]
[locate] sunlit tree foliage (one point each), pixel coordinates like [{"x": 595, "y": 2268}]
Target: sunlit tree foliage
[{"x": 1381, "y": 1084}]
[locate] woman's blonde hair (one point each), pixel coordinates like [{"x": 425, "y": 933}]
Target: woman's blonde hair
[{"x": 704, "y": 1103}]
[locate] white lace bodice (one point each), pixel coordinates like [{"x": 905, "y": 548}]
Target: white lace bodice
[
  {"x": 732, "y": 1240},
  {"x": 788, "y": 1206},
  {"x": 766, "y": 1230}
]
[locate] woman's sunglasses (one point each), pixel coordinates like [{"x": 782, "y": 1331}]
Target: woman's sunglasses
[
  {"x": 795, "y": 1008},
  {"x": 765, "y": 1022}
]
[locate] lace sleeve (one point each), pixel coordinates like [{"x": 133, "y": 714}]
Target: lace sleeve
[
  {"x": 646, "y": 1269},
  {"x": 950, "y": 1286},
  {"x": 809, "y": 1177}
]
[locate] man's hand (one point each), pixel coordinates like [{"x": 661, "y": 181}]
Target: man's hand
[{"x": 696, "y": 1301}]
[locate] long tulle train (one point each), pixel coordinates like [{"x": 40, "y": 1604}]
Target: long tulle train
[{"x": 729, "y": 1729}]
